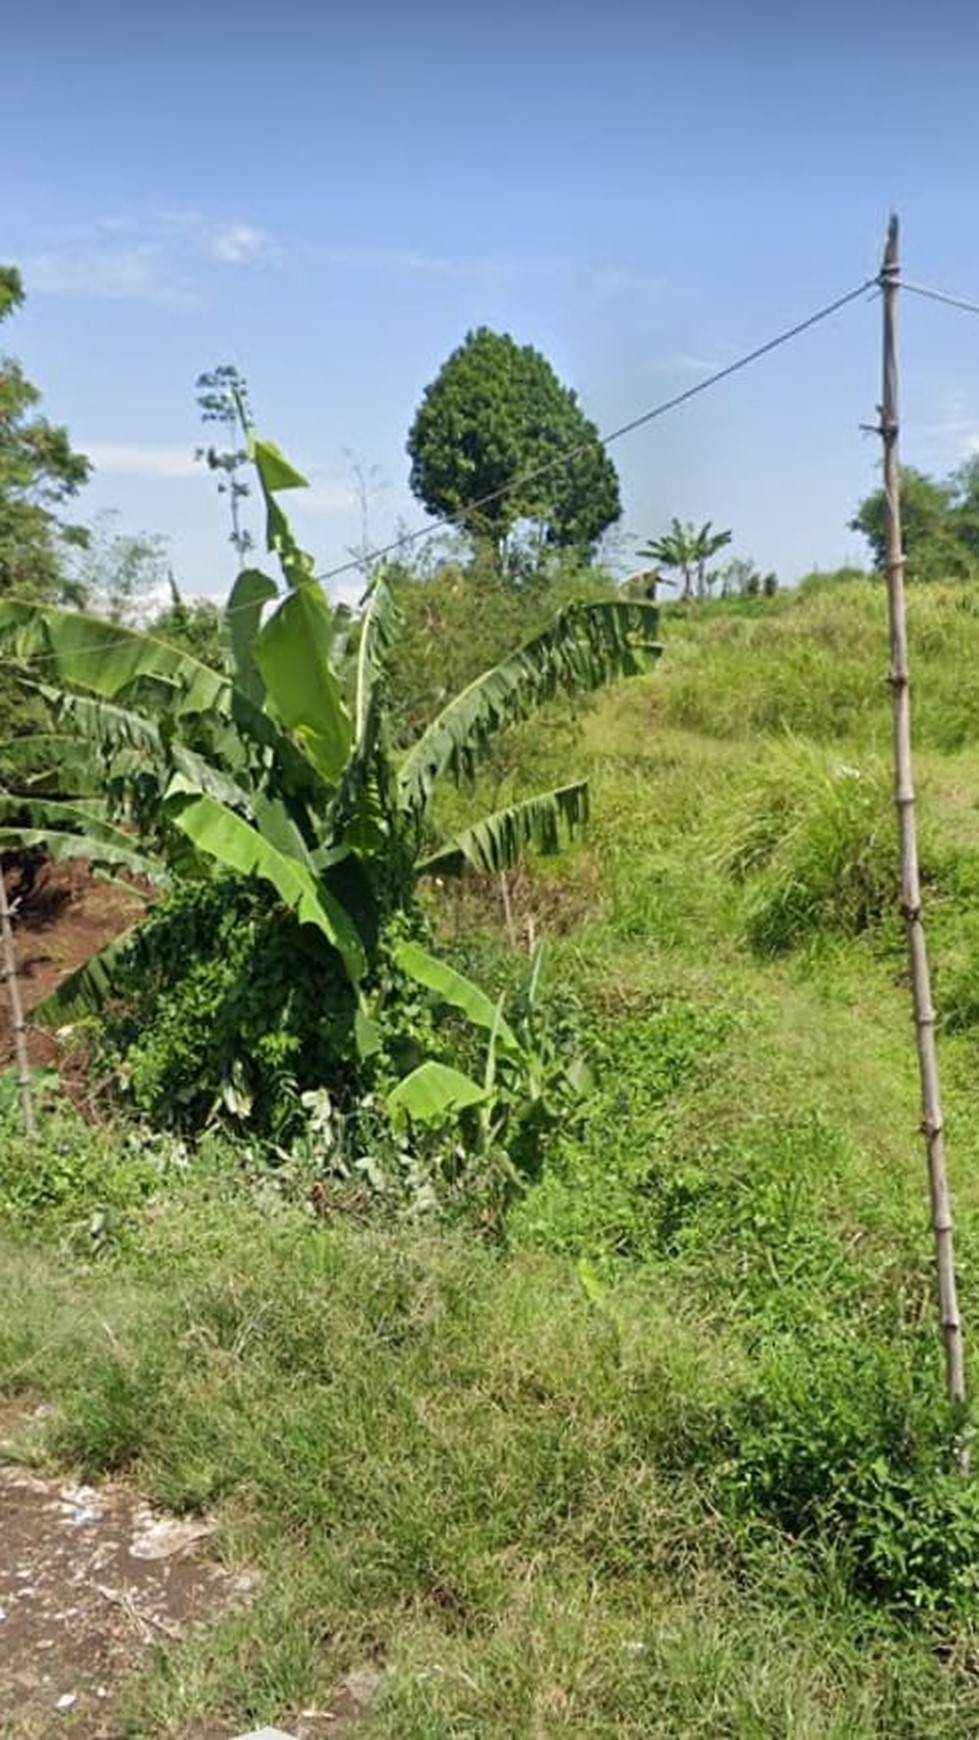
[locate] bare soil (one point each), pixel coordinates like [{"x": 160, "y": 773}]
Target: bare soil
[
  {"x": 90, "y": 1578},
  {"x": 61, "y": 917}
]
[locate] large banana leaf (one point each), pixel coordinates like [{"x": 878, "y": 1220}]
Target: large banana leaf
[
  {"x": 375, "y": 639},
  {"x": 497, "y": 841},
  {"x": 275, "y": 473},
  {"x": 433, "y": 1092},
  {"x": 52, "y": 764},
  {"x": 293, "y": 653},
  {"x": 250, "y": 592},
  {"x": 220, "y": 834},
  {"x": 105, "y": 726},
  {"x": 586, "y": 646},
  {"x": 274, "y": 469},
  {"x": 275, "y": 824},
  {"x": 65, "y": 646},
  {"x": 294, "y": 650},
  {"x": 111, "y": 663},
  {"x": 88, "y": 988},
  {"x": 195, "y": 772},
  {"x": 63, "y": 846},
  {"x": 73, "y": 830},
  {"x": 452, "y": 987},
  {"x": 118, "y": 742}
]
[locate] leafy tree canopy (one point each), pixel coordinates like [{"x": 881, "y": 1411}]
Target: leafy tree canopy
[
  {"x": 120, "y": 575},
  {"x": 495, "y": 415},
  {"x": 939, "y": 523},
  {"x": 39, "y": 472}
]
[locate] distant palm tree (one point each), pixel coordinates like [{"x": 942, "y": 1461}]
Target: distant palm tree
[{"x": 689, "y": 550}]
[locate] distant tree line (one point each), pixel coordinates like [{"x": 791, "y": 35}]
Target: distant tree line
[{"x": 939, "y": 523}]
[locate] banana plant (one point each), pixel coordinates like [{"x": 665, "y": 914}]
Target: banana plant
[
  {"x": 529, "y": 1084},
  {"x": 688, "y": 548},
  {"x": 278, "y": 765}
]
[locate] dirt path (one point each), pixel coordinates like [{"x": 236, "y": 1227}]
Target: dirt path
[{"x": 91, "y": 1579}]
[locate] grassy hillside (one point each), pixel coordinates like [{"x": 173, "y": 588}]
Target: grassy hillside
[{"x": 672, "y": 1457}]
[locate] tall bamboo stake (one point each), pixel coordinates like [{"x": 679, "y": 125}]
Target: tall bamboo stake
[
  {"x": 904, "y": 798},
  {"x": 9, "y": 976}
]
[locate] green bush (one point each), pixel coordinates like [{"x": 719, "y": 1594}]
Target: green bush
[
  {"x": 230, "y": 1016},
  {"x": 841, "y": 1443},
  {"x": 73, "y": 1179},
  {"x": 225, "y": 1011}
]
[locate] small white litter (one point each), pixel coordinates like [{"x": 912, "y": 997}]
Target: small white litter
[
  {"x": 159, "y": 1537},
  {"x": 265, "y": 1734}
]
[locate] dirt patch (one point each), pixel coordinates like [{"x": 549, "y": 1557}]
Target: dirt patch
[
  {"x": 91, "y": 1577},
  {"x": 62, "y": 915}
]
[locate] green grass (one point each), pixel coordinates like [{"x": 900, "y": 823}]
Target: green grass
[
  {"x": 673, "y": 1458},
  {"x": 458, "y": 1462}
]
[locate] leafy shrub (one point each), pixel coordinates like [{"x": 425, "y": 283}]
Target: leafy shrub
[
  {"x": 225, "y": 1010},
  {"x": 228, "y": 1014},
  {"x": 80, "y": 1182},
  {"x": 840, "y": 1443}
]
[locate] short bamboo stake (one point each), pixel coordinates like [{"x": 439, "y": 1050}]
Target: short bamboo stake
[
  {"x": 904, "y": 797},
  {"x": 9, "y": 976}
]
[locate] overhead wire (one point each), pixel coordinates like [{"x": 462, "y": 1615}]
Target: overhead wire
[
  {"x": 940, "y": 296},
  {"x": 450, "y": 521},
  {"x": 453, "y": 521}
]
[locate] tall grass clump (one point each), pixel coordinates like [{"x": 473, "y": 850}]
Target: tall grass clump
[
  {"x": 812, "y": 842},
  {"x": 813, "y": 662},
  {"x": 810, "y": 664}
]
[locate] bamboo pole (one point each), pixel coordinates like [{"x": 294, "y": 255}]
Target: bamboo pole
[
  {"x": 8, "y": 973},
  {"x": 904, "y": 797}
]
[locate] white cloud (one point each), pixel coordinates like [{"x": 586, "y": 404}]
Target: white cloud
[
  {"x": 153, "y": 256},
  {"x": 132, "y": 459},
  {"x": 140, "y": 273},
  {"x": 612, "y": 280},
  {"x": 684, "y": 362},
  {"x": 237, "y": 244},
  {"x": 425, "y": 265}
]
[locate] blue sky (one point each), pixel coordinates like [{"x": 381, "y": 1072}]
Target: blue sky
[{"x": 329, "y": 197}]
